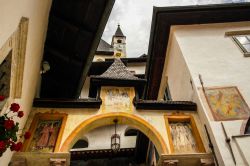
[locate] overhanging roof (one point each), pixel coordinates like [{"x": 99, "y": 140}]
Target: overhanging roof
[
  {"x": 104, "y": 48},
  {"x": 165, "y": 17},
  {"x": 117, "y": 71},
  {"x": 74, "y": 31},
  {"x": 97, "y": 68},
  {"x": 116, "y": 75}
]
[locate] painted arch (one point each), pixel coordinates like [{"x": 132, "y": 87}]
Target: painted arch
[{"x": 107, "y": 119}]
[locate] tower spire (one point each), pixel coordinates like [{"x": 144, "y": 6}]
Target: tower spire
[
  {"x": 119, "y": 43},
  {"x": 119, "y": 32}
]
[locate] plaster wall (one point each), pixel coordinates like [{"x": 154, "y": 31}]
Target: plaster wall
[
  {"x": 100, "y": 138},
  {"x": 176, "y": 75},
  {"x": 37, "y": 12},
  {"x": 100, "y": 58},
  {"x": 204, "y": 49},
  {"x": 139, "y": 68},
  {"x": 85, "y": 89}
]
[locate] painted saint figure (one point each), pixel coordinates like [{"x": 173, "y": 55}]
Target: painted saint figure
[
  {"x": 53, "y": 134},
  {"x": 43, "y": 140},
  {"x": 182, "y": 137}
]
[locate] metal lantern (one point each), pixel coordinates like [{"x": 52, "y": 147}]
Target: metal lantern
[{"x": 115, "y": 140}]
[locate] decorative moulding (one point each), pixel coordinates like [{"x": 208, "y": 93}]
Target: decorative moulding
[{"x": 17, "y": 44}]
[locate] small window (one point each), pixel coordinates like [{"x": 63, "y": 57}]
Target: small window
[
  {"x": 131, "y": 132},
  {"x": 5, "y": 77},
  {"x": 119, "y": 41},
  {"x": 80, "y": 144},
  {"x": 247, "y": 128},
  {"x": 244, "y": 43},
  {"x": 132, "y": 71}
]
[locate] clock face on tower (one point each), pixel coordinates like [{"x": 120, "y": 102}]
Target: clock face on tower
[{"x": 118, "y": 54}]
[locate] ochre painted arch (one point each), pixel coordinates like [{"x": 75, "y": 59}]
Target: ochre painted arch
[{"x": 123, "y": 118}]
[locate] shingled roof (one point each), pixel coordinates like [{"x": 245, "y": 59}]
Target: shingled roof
[
  {"x": 104, "y": 47},
  {"x": 118, "y": 32},
  {"x": 118, "y": 71}
]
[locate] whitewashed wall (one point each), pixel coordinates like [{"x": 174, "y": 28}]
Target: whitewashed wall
[
  {"x": 11, "y": 12},
  {"x": 100, "y": 138},
  {"x": 139, "y": 68},
  {"x": 85, "y": 89},
  {"x": 204, "y": 49}
]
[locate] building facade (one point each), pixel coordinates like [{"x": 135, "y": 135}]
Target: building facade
[
  {"x": 211, "y": 55},
  {"x": 206, "y": 62},
  {"x": 190, "y": 106}
]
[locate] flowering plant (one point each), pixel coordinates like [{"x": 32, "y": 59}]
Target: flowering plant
[{"x": 9, "y": 129}]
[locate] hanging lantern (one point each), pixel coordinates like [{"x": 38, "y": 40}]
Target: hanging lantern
[{"x": 115, "y": 140}]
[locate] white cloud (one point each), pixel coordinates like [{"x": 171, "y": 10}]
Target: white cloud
[{"x": 135, "y": 17}]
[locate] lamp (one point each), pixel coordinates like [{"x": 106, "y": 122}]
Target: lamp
[
  {"x": 44, "y": 67},
  {"x": 115, "y": 140}
]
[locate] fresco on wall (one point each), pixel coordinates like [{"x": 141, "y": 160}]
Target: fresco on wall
[
  {"x": 45, "y": 136},
  {"x": 117, "y": 98},
  {"x": 182, "y": 137},
  {"x": 226, "y": 103}
]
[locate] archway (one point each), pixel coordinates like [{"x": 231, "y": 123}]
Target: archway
[{"x": 123, "y": 118}]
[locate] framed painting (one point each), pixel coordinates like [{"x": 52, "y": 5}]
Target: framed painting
[
  {"x": 117, "y": 98},
  {"x": 183, "y": 134},
  {"x": 226, "y": 103},
  {"x": 46, "y": 133}
]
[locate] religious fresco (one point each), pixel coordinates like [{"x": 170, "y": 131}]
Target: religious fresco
[
  {"x": 226, "y": 103},
  {"x": 182, "y": 137},
  {"x": 45, "y": 136},
  {"x": 117, "y": 98},
  {"x": 46, "y": 132},
  {"x": 183, "y": 134}
]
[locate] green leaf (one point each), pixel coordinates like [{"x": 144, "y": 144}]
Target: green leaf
[{"x": 14, "y": 138}]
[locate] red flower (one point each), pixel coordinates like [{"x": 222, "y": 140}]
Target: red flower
[
  {"x": 18, "y": 146},
  {"x": 2, "y": 146},
  {"x": 14, "y": 107},
  {"x": 27, "y": 135},
  {"x": 13, "y": 146},
  {"x": 9, "y": 124},
  {"x": 20, "y": 114},
  {"x": 2, "y": 98}
]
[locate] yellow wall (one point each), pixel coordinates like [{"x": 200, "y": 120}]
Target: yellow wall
[{"x": 78, "y": 117}]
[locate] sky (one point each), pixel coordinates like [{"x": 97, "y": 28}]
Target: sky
[{"x": 134, "y": 17}]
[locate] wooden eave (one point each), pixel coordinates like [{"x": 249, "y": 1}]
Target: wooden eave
[
  {"x": 67, "y": 103},
  {"x": 165, "y": 105},
  {"x": 74, "y": 31}
]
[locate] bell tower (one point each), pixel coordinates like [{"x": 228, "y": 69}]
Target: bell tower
[{"x": 119, "y": 43}]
